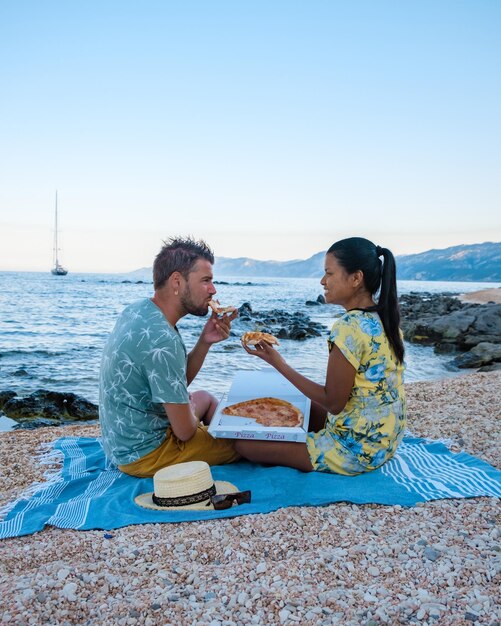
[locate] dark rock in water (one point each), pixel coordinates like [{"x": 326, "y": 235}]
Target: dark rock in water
[
  {"x": 245, "y": 309},
  {"x": 453, "y": 326},
  {"x": 482, "y": 354},
  {"x": 52, "y": 405},
  {"x": 493, "y": 367},
  {"x": 36, "y": 422},
  {"x": 280, "y": 323},
  {"x": 320, "y": 300},
  {"x": 20, "y": 372},
  {"x": 5, "y": 396}
]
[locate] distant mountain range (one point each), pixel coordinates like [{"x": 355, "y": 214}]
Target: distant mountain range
[{"x": 476, "y": 262}]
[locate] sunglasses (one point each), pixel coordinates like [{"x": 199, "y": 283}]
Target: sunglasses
[{"x": 226, "y": 500}]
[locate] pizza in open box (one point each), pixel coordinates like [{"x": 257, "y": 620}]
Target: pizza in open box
[{"x": 267, "y": 411}]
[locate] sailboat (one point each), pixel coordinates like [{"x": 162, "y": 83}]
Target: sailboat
[{"x": 58, "y": 269}]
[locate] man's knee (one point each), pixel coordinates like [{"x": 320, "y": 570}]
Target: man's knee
[{"x": 205, "y": 405}]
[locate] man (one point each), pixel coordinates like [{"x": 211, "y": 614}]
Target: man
[{"x": 148, "y": 418}]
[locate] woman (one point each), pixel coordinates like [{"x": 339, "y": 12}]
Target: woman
[{"x": 357, "y": 418}]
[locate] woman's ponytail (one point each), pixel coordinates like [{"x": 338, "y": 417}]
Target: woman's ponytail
[{"x": 388, "y": 307}]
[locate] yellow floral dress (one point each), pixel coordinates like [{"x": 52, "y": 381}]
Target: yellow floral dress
[{"x": 367, "y": 432}]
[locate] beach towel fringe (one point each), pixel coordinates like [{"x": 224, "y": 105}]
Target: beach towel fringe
[
  {"x": 46, "y": 455},
  {"x": 450, "y": 444}
]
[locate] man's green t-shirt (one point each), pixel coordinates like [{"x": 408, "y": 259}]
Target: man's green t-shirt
[{"x": 143, "y": 366}]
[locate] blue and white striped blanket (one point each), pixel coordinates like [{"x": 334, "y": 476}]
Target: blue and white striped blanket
[{"x": 86, "y": 492}]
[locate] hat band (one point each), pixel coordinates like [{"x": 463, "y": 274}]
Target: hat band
[{"x": 194, "y": 498}]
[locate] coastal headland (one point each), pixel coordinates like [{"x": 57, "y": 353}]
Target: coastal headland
[{"x": 437, "y": 563}]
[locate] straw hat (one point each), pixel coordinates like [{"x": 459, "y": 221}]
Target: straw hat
[{"x": 187, "y": 486}]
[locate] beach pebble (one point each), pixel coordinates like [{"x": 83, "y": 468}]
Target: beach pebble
[
  {"x": 63, "y": 573},
  {"x": 69, "y": 591},
  {"x": 431, "y": 554},
  {"x": 299, "y": 520}
]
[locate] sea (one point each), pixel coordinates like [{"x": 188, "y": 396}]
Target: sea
[{"x": 53, "y": 328}]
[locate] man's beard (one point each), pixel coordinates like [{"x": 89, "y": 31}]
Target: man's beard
[{"x": 190, "y": 307}]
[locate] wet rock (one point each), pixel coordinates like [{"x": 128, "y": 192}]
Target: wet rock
[
  {"x": 320, "y": 300},
  {"x": 5, "y": 396},
  {"x": 452, "y": 326},
  {"x": 483, "y": 354},
  {"x": 32, "y": 423},
  {"x": 20, "y": 372},
  {"x": 490, "y": 368},
  {"x": 50, "y": 405},
  {"x": 245, "y": 309}
]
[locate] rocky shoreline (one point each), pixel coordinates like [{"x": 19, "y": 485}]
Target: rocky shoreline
[{"x": 470, "y": 332}]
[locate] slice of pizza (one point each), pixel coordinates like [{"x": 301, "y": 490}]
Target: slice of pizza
[
  {"x": 221, "y": 310},
  {"x": 267, "y": 411},
  {"x": 250, "y": 338}
]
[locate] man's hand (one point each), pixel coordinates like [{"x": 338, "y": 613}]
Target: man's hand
[{"x": 217, "y": 328}]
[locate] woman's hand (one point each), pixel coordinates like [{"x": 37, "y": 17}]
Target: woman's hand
[{"x": 264, "y": 351}]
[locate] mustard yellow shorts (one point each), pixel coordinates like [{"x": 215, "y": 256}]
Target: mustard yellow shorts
[{"x": 201, "y": 447}]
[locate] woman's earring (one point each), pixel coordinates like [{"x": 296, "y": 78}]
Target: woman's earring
[{"x": 176, "y": 292}]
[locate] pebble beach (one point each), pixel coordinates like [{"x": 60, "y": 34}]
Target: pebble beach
[{"x": 436, "y": 563}]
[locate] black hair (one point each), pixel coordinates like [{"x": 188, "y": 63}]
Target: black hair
[
  {"x": 357, "y": 253},
  {"x": 179, "y": 254}
]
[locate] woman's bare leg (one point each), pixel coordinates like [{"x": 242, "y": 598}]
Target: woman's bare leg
[
  {"x": 286, "y": 453},
  {"x": 318, "y": 415}
]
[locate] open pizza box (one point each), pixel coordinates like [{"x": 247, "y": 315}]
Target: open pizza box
[{"x": 248, "y": 385}]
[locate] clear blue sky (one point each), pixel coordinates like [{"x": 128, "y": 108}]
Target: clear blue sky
[{"x": 269, "y": 128}]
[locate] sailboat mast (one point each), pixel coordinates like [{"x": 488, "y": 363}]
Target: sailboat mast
[
  {"x": 55, "y": 238},
  {"x": 56, "y": 244},
  {"x": 57, "y": 270}
]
